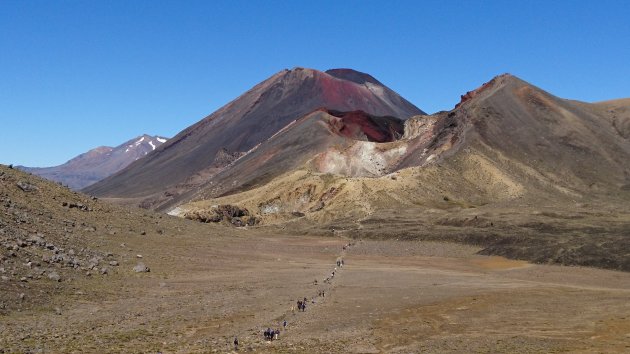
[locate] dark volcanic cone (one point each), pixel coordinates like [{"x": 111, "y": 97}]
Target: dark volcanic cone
[{"x": 189, "y": 159}]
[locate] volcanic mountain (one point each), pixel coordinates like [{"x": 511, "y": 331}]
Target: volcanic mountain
[
  {"x": 98, "y": 163},
  {"x": 207, "y": 147},
  {"x": 298, "y": 143},
  {"x": 510, "y": 159}
]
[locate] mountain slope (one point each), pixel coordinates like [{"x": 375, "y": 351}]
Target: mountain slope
[
  {"x": 98, "y": 163},
  {"x": 206, "y": 147},
  {"x": 512, "y": 168},
  {"x": 53, "y": 240},
  {"x": 296, "y": 144},
  {"x": 564, "y": 143}
]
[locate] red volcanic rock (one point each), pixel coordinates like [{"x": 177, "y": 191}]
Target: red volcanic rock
[{"x": 359, "y": 125}]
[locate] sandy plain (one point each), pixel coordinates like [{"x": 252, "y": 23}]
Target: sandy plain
[{"x": 208, "y": 286}]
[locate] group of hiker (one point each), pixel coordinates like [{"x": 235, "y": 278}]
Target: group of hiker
[
  {"x": 301, "y": 305},
  {"x": 273, "y": 334}
]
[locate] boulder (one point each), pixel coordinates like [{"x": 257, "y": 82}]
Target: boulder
[
  {"x": 231, "y": 211},
  {"x": 237, "y": 222},
  {"x": 54, "y": 276},
  {"x": 26, "y": 187},
  {"x": 141, "y": 268},
  {"x": 252, "y": 221}
]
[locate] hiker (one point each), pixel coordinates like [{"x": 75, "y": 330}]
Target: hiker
[
  {"x": 338, "y": 263},
  {"x": 284, "y": 324},
  {"x": 342, "y": 262},
  {"x": 235, "y": 343},
  {"x": 269, "y": 334},
  {"x": 276, "y": 333}
]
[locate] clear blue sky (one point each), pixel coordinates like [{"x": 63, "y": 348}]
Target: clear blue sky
[{"x": 78, "y": 74}]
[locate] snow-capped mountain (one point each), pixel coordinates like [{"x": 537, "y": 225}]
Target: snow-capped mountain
[{"x": 98, "y": 163}]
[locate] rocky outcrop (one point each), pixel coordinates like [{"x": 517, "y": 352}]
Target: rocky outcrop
[{"x": 230, "y": 214}]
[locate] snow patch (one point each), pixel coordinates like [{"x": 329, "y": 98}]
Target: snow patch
[
  {"x": 151, "y": 143},
  {"x": 127, "y": 150},
  {"x": 139, "y": 141},
  {"x": 161, "y": 140}
]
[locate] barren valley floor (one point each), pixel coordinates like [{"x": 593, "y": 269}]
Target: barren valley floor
[{"x": 390, "y": 297}]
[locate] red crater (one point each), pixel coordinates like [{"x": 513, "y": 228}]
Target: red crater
[{"x": 359, "y": 125}]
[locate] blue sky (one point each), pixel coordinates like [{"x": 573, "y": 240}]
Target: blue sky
[{"x": 78, "y": 74}]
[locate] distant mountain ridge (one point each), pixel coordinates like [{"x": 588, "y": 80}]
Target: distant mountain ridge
[{"x": 98, "y": 163}]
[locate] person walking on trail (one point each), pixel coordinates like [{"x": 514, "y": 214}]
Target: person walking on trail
[
  {"x": 235, "y": 343},
  {"x": 284, "y": 324},
  {"x": 270, "y": 334}
]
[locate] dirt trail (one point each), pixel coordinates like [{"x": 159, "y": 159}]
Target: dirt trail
[
  {"x": 389, "y": 297},
  {"x": 296, "y": 318}
]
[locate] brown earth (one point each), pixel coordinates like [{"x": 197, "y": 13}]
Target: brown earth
[
  {"x": 206, "y": 287},
  {"x": 209, "y": 283}
]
